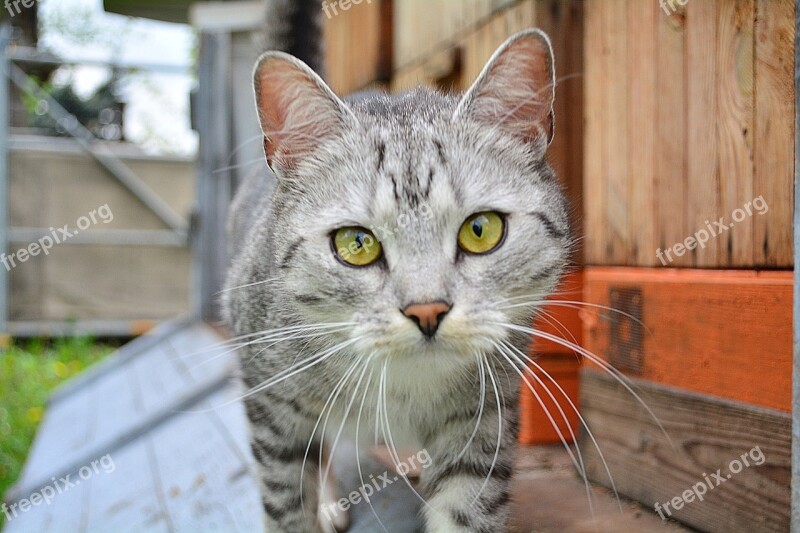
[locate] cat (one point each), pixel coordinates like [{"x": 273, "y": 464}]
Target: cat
[{"x": 387, "y": 275}]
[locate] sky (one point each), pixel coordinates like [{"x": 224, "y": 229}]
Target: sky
[{"x": 157, "y": 110}]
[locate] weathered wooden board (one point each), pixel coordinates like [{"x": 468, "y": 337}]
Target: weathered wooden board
[
  {"x": 708, "y": 434},
  {"x": 774, "y": 86},
  {"x": 689, "y": 118},
  {"x": 426, "y": 25},
  {"x": 109, "y": 410},
  {"x": 180, "y": 451},
  {"x": 193, "y": 473},
  {"x": 702, "y": 159},
  {"x": 726, "y": 333}
]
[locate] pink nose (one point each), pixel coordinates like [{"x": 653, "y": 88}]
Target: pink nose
[{"x": 427, "y": 316}]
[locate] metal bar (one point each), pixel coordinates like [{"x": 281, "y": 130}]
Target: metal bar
[
  {"x": 795, "y": 528},
  {"x": 5, "y": 35},
  {"x": 166, "y": 238},
  {"x": 102, "y": 154},
  {"x": 24, "y": 54}
]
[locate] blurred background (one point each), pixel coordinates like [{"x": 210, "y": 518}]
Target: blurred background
[{"x": 128, "y": 124}]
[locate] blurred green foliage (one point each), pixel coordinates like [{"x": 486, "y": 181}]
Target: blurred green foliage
[{"x": 28, "y": 374}]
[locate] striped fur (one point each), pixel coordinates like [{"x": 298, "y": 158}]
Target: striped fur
[{"x": 413, "y": 167}]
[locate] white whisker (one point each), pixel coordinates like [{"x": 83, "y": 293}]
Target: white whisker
[
  {"x": 572, "y": 405},
  {"x": 606, "y": 367},
  {"x": 358, "y": 456},
  {"x": 390, "y": 443},
  {"x": 485, "y": 362},
  {"x": 326, "y": 407},
  {"x": 576, "y": 461},
  {"x": 479, "y": 414},
  {"x": 247, "y": 285}
]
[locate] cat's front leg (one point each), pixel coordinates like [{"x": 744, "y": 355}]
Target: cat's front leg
[
  {"x": 280, "y": 437},
  {"x": 469, "y": 492}
]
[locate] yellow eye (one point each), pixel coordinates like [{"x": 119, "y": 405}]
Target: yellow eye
[
  {"x": 481, "y": 233},
  {"x": 356, "y": 246}
]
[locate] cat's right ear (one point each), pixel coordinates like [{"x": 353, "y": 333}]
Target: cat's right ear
[
  {"x": 297, "y": 110},
  {"x": 516, "y": 89}
]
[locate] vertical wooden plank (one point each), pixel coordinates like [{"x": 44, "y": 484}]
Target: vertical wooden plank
[
  {"x": 594, "y": 103},
  {"x": 774, "y": 133},
  {"x": 703, "y": 179},
  {"x": 735, "y": 125},
  {"x": 529, "y": 13},
  {"x": 642, "y": 17},
  {"x": 796, "y": 292},
  {"x": 386, "y": 33},
  {"x": 571, "y": 86},
  {"x": 671, "y": 123},
  {"x": 484, "y": 47},
  {"x": 616, "y": 138},
  {"x": 499, "y": 31},
  {"x": 514, "y": 19},
  {"x": 400, "y": 16},
  {"x": 468, "y": 53},
  {"x": 548, "y": 19}
]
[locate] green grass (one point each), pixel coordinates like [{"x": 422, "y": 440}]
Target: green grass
[{"x": 28, "y": 374}]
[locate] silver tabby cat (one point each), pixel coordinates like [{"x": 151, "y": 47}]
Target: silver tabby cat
[{"x": 386, "y": 275}]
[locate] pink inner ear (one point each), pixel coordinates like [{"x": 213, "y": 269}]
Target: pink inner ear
[
  {"x": 272, "y": 109},
  {"x": 517, "y": 91},
  {"x": 295, "y": 110}
]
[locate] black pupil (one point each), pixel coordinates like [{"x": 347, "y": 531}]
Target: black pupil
[
  {"x": 360, "y": 239},
  {"x": 477, "y": 228}
]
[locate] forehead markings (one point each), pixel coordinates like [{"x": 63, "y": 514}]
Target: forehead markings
[
  {"x": 440, "y": 151},
  {"x": 381, "y": 156},
  {"x": 410, "y": 187},
  {"x": 395, "y": 189}
]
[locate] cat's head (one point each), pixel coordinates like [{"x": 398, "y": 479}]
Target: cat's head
[{"x": 426, "y": 220}]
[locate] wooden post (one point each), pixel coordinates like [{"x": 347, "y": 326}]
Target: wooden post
[
  {"x": 214, "y": 187},
  {"x": 5, "y": 34}
]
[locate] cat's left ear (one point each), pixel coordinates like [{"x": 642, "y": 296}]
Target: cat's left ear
[
  {"x": 298, "y": 112},
  {"x": 516, "y": 89}
]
